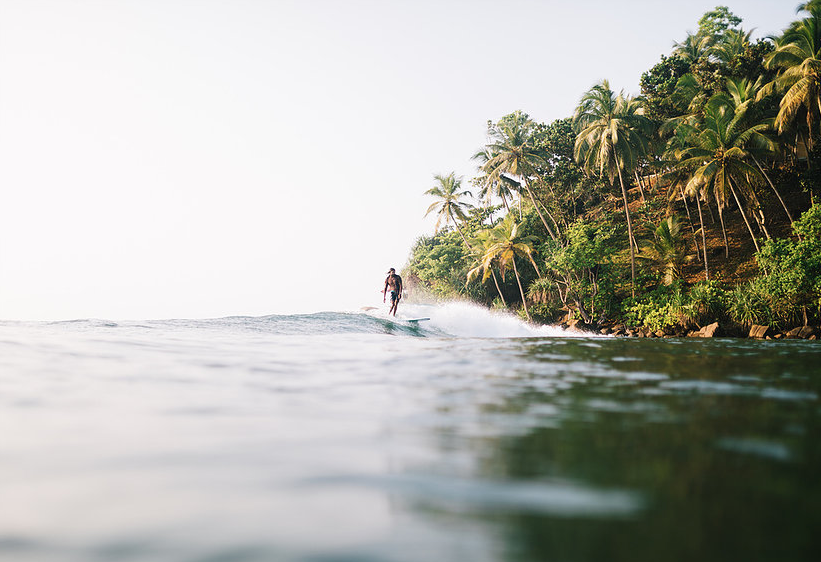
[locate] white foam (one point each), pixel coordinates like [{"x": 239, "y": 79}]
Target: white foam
[{"x": 463, "y": 319}]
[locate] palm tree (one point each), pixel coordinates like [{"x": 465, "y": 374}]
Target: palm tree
[
  {"x": 505, "y": 244},
  {"x": 717, "y": 158},
  {"x": 514, "y": 155},
  {"x": 611, "y": 138},
  {"x": 668, "y": 249},
  {"x": 488, "y": 186},
  {"x": 448, "y": 191},
  {"x": 482, "y": 244},
  {"x": 798, "y": 60},
  {"x": 743, "y": 94},
  {"x": 694, "y": 47},
  {"x": 732, "y": 43}
]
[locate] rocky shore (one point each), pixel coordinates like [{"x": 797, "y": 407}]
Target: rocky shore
[{"x": 712, "y": 330}]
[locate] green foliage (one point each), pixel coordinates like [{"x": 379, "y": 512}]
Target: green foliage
[
  {"x": 749, "y": 304},
  {"x": 658, "y": 85},
  {"x": 582, "y": 268},
  {"x": 791, "y": 273},
  {"x": 666, "y": 307},
  {"x": 440, "y": 263},
  {"x": 718, "y": 21},
  {"x": 667, "y": 251},
  {"x": 705, "y": 302},
  {"x": 704, "y": 122},
  {"x": 656, "y": 310}
]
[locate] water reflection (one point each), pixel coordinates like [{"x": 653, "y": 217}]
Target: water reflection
[
  {"x": 203, "y": 443},
  {"x": 722, "y": 440}
]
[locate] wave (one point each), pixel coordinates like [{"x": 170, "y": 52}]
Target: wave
[{"x": 452, "y": 319}]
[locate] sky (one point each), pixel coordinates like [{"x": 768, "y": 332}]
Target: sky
[{"x": 205, "y": 158}]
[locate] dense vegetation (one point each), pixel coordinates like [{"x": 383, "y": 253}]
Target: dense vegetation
[{"x": 697, "y": 200}]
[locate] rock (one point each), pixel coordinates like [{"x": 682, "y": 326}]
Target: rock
[
  {"x": 778, "y": 336},
  {"x": 660, "y": 333},
  {"x": 758, "y": 331},
  {"x": 812, "y": 337},
  {"x": 799, "y": 332},
  {"x": 604, "y": 331},
  {"x": 807, "y": 331},
  {"x": 709, "y": 331}
]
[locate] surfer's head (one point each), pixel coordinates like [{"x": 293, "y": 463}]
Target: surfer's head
[{"x": 391, "y": 270}]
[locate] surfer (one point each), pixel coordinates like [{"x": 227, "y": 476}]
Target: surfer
[{"x": 395, "y": 283}]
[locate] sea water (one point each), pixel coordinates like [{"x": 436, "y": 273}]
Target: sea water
[{"x": 354, "y": 437}]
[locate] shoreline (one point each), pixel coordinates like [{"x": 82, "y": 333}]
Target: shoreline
[{"x": 713, "y": 330}]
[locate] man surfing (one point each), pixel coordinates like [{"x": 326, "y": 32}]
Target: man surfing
[{"x": 395, "y": 283}]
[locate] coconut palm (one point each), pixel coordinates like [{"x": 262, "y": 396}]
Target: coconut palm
[
  {"x": 668, "y": 249},
  {"x": 742, "y": 94},
  {"x": 515, "y": 156},
  {"x": 694, "y": 47},
  {"x": 449, "y": 205},
  {"x": 733, "y": 42},
  {"x": 718, "y": 158},
  {"x": 798, "y": 60},
  {"x": 490, "y": 187},
  {"x": 482, "y": 242},
  {"x": 505, "y": 242},
  {"x": 612, "y": 135}
]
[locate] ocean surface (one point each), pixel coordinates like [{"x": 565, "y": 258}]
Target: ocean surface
[{"x": 336, "y": 437}]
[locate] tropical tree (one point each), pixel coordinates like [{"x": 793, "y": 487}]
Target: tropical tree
[
  {"x": 505, "y": 243},
  {"x": 797, "y": 58},
  {"x": 482, "y": 243},
  {"x": 742, "y": 93},
  {"x": 490, "y": 187},
  {"x": 449, "y": 205},
  {"x": 694, "y": 47},
  {"x": 732, "y": 45},
  {"x": 667, "y": 250},
  {"x": 718, "y": 158},
  {"x": 515, "y": 156},
  {"x": 612, "y": 135}
]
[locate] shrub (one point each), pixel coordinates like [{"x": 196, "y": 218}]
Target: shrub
[
  {"x": 705, "y": 302},
  {"x": 656, "y": 310},
  {"x": 748, "y": 304},
  {"x": 790, "y": 283}
]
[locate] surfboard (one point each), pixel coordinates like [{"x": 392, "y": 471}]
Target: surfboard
[{"x": 415, "y": 319}]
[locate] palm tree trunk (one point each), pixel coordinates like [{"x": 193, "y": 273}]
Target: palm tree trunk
[
  {"x": 710, "y": 210},
  {"x": 504, "y": 200},
  {"x": 777, "y": 194},
  {"x": 638, "y": 183},
  {"x": 758, "y": 215},
  {"x": 465, "y": 240},
  {"x": 724, "y": 232},
  {"x": 689, "y": 217},
  {"x": 521, "y": 291},
  {"x": 703, "y": 239},
  {"x": 743, "y": 215},
  {"x": 629, "y": 235},
  {"x": 541, "y": 216},
  {"x": 496, "y": 282}
]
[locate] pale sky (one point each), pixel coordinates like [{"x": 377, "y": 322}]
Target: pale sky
[{"x": 196, "y": 158}]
